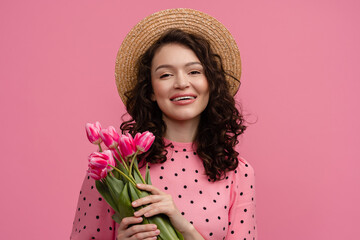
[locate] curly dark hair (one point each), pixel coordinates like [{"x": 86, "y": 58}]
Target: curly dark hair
[{"x": 220, "y": 123}]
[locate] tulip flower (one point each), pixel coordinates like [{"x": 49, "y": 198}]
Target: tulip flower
[
  {"x": 126, "y": 144},
  {"x": 110, "y": 137},
  {"x": 92, "y": 132},
  {"x": 99, "y": 164},
  {"x": 143, "y": 141},
  {"x": 119, "y": 188},
  {"x": 97, "y": 174}
]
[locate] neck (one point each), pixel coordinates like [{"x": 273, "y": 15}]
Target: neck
[{"x": 181, "y": 131}]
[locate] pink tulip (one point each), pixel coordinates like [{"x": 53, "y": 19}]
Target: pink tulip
[
  {"x": 115, "y": 153},
  {"x": 143, "y": 141},
  {"x": 99, "y": 164},
  {"x": 126, "y": 144},
  {"x": 92, "y": 132},
  {"x": 97, "y": 174},
  {"x": 110, "y": 137}
]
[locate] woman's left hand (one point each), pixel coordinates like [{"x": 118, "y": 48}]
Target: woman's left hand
[{"x": 162, "y": 203}]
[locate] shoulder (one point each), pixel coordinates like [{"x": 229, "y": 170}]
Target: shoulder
[
  {"x": 243, "y": 174},
  {"x": 245, "y": 165}
]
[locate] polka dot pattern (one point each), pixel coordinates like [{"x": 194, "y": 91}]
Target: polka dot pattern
[
  {"x": 223, "y": 209},
  {"x": 93, "y": 216}
]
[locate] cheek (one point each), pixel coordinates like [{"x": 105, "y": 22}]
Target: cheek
[
  {"x": 159, "y": 91},
  {"x": 204, "y": 87}
]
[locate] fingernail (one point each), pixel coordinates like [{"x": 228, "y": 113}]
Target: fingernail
[
  {"x": 134, "y": 203},
  {"x": 136, "y": 214},
  {"x": 139, "y": 185},
  {"x": 157, "y": 231}
]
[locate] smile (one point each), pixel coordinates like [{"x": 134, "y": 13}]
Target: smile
[{"x": 182, "y": 98}]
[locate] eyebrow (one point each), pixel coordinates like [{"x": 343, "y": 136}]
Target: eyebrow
[{"x": 170, "y": 66}]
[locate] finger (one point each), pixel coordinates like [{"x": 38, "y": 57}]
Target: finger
[
  {"x": 153, "y": 209},
  {"x": 146, "y": 235},
  {"x": 125, "y": 222},
  {"x": 145, "y": 230},
  {"x": 133, "y": 232},
  {"x": 151, "y": 238},
  {"x": 147, "y": 200},
  {"x": 149, "y": 188}
]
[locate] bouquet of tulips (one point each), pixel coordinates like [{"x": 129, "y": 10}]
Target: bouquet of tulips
[{"x": 116, "y": 173}]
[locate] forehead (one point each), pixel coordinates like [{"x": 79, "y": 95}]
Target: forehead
[{"x": 173, "y": 53}]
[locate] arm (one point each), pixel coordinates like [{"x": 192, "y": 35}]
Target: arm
[
  {"x": 242, "y": 217},
  {"x": 93, "y": 215}
]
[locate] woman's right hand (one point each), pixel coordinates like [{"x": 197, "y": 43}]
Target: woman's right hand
[{"x": 137, "y": 231}]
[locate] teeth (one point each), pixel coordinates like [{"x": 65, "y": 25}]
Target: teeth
[{"x": 183, "y": 98}]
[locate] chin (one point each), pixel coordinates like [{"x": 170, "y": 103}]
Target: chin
[{"x": 184, "y": 117}]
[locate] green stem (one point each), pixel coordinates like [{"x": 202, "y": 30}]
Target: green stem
[
  {"x": 118, "y": 163},
  {"x": 132, "y": 161},
  {"x": 136, "y": 169},
  {"x": 124, "y": 175},
  {"x": 123, "y": 161},
  {"x": 142, "y": 179},
  {"x": 100, "y": 149}
]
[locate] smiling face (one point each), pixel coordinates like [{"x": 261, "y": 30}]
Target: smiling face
[{"x": 180, "y": 87}]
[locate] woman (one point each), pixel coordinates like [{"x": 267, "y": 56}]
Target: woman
[{"x": 183, "y": 95}]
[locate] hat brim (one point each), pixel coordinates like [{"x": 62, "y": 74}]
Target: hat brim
[{"x": 148, "y": 30}]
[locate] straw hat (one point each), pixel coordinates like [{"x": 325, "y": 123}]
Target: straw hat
[{"x": 148, "y": 30}]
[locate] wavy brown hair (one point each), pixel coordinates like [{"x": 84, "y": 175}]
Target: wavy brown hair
[{"x": 220, "y": 124}]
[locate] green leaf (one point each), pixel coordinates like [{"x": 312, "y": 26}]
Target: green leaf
[
  {"x": 124, "y": 203},
  {"x": 123, "y": 169},
  {"x": 104, "y": 192},
  {"x": 135, "y": 172},
  {"x": 133, "y": 193},
  {"x": 116, "y": 217},
  {"x": 180, "y": 236},
  {"x": 116, "y": 174},
  {"x": 137, "y": 176},
  {"x": 163, "y": 223},
  {"x": 115, "y": 186},
  {"x": 147, "y": 175}
]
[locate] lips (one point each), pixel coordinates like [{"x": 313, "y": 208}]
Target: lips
[{"x": 182, "y": 97}]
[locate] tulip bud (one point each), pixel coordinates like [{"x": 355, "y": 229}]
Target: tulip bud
[
  {"x": 126, "y": 144},
  {"x": 110, "y": 137},
  {"x": 92, "y": 132},
  {"x": 99, "y": 164},
  {"x": 143, "y": 141}
]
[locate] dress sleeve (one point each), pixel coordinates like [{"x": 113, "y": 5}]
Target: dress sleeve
[
  {"x": 242, "y": 217},
  {"x": 93, "y": 215}
]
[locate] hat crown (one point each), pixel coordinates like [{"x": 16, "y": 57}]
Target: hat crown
[{"x": 148, "y": 30}]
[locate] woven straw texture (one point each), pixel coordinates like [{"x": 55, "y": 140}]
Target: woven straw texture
[{"x": 148, "y": 30}]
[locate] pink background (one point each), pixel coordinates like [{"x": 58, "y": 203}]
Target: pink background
[{"x": 300, "y": 83}]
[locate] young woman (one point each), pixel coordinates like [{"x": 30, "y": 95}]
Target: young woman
[{"x": 183, "y": 95}]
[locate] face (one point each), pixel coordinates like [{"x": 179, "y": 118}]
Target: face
[{"x": 180, "y": 87}]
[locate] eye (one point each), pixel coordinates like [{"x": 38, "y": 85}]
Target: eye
[
  {"x": 165, "y": 75},
  {"x": 195, "y": 72}
]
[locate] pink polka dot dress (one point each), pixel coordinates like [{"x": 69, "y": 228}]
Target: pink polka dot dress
[{"x": 223, "y": 209}]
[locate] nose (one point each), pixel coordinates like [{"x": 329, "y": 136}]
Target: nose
[{"x": 181, "y": 81}]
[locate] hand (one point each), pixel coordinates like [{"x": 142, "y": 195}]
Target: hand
[
  {"x": 162, "y": 203},
  {"x": 138, "y": 231}
]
